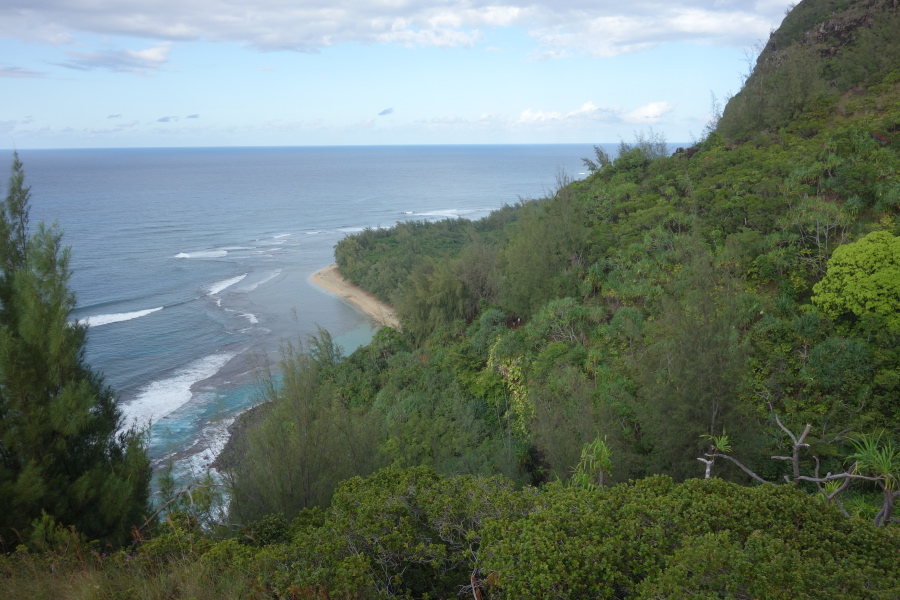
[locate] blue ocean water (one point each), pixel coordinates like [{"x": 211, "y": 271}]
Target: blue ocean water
[{"x": 191, "y": 265}]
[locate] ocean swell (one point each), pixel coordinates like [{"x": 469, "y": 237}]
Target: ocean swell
[
  {"x": 163, "y": 397},
  {"x": 98, "y": 320},
  {"x": 203, "y": 254},
  {"x": 266, "y": 279},
  {"x": 223, "y": 285}
]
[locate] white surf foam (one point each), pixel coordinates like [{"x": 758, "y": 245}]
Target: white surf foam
[
  {"x": 223, "y": 285},
  {"x": 283, "y": 235},
  {"x": 98, "y": 320},
  {"x": 265, "y": 280},
  {"x": 203, "y": 452},
  {"x": 163, "y": 397},
  {"x": 451, "y": 213},
  {"x": 203, "y": 254},
  {"x": 250, "y": 317}
]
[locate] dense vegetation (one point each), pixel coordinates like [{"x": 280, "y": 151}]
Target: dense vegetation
[
  {"x": 415, "y": 534},
  {"x": 678, "y": 377},
  {"x": 64, "y": 455}
]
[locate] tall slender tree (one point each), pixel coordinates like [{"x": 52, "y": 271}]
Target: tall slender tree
[{"x": 64, "y": 451}]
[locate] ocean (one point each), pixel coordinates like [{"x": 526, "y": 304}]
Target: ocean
[{"x": 190, "y": 265}]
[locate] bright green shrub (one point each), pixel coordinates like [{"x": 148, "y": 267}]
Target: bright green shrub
[{"x": 863, "y": 277}]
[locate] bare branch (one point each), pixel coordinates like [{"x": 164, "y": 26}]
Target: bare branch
[
  {"x": 847, "y": 476},
  {"x": 803, "y": 436},
  {"x": 840, "y": 489},
  {"x": 819, "y": 485},
  {"x": 784, "y": 429},
  {"x": 739, "y": 464},
  {"x": 798, "y": 444}
]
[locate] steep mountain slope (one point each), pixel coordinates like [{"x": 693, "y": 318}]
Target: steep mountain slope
[
  {"x": 662, "y": 301},
  {"x": 822, "y": 50}
]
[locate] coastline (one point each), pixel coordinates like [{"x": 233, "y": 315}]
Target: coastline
[{"x": 331, "y": 280}]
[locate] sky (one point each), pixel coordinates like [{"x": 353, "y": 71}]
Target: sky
[{"x": 194, "y": 73}]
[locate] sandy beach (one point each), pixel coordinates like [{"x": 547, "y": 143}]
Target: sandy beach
[{"x": 331, "y": 280}]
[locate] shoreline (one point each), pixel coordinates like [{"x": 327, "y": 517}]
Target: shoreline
[
  {"x": 328, "y": 280},
  {"x": 331, "y": 280}
]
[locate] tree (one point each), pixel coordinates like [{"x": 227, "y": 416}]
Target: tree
[
  {"x": 863, "y": 277},
  {"x": 693, "y": 373},
  {"x": 538, "y": 263},
  {"x": 875, "y": 460},
  {"x": 880, "y": 460},
  {"x": 64, "y": 452},
  {"x": 300, "y": 441},
  {"x": 602, "y": 160}
]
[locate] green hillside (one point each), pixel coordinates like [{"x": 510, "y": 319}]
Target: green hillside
[
  {"x": 824, "y": 56},
  {"x": 678, "y": 377},
  {"x": 665, "y": 298}
]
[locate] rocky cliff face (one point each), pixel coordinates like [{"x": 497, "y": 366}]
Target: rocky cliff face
[{"x": 823, "y": 49}]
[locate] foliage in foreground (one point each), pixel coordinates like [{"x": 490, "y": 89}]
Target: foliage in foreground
[
  {"x": 744, "y": 285},
  {"x": 415, "y": 534},
  {"x": 65, "y": 456}
]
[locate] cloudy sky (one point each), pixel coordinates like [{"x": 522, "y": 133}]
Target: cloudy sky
[{"x": 124, "y": 73}]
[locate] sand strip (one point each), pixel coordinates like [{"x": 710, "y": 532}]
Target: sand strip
[{"x": 331, "y": 280}]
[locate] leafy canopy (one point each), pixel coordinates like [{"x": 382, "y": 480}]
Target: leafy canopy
[
  {"x": 863, "y": 277},
  {"x": 65, "y": 456}
]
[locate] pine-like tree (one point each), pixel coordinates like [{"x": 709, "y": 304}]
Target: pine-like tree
[{"x": 63, "y": 449}]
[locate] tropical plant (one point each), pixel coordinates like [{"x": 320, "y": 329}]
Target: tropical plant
[{"x": 66, "y": 456}]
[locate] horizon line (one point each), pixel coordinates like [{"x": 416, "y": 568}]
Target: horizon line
[{"x": 286, "y": 146}]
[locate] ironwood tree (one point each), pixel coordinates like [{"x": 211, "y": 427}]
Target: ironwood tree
[{"x": 66, "y": 457}]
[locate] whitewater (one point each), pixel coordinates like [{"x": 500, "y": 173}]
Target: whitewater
[{"x": 190, "y": 266}]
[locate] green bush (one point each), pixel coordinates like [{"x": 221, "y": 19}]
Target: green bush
[{"x": 641, "y": 540}]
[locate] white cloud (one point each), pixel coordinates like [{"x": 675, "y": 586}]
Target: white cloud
[
  {"x": 130, "y": 61},
  {"x": 599, "y": 27},
  {"x": 111, "y": 130},
  {"x": 444, "y": 38},
  {"x": 648, "y": 114},
  {"x": 20, "y": 128},
  {"x": 448, "y": 120},
  {"x": 16, "y": 125},
  {"x": 151, "y": 57},
  {"x": 551, "y": 54},
  {"x": 605, "y": 35},
  {"x": 586, "y": 113},
  {"x": 19, "y": 73}
]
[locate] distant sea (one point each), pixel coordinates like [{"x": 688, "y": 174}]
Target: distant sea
[{"x": 191, "y": 265}]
